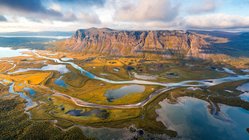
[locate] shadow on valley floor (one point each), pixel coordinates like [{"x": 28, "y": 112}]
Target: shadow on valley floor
[{"x": 237, "y": 44}]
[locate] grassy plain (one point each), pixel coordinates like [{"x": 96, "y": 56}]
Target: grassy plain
[{"x": 51, "y": 107}]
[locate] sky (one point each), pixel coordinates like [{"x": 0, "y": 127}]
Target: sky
[{"x": 70, "y": 15}]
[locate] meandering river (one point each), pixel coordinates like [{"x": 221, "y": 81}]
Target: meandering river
[
  {"x": 167, "y": 86},
  {"x": 187, "y": 83},
  {"x": 186, "y": 117}
]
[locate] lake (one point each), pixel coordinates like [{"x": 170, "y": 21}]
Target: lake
[
  {"x": 60, "y": 82},
  {"x": 30, "y": 91},
  {"x": 244, "y": 88},
  {"x": 60, "y": 68},
  {"x": 8, "y": 52},
  {"x": 191, "y": 118}
]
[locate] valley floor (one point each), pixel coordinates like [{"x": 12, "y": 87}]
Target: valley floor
[{"x": 69, "y": 92}]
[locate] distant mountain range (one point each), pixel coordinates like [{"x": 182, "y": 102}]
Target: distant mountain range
[
  {"x": 166, "y": 43},
  {"x": 33, "y": 40},
  {"x": 43, "y": 33}
]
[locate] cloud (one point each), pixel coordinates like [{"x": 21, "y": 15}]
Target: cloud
[
  {"x": 84, "y": 3},
  {"x": 89, "y": 18},
  {"x": 3, "y": 18},
  {"x": 34, "y": 10},
  {"x": 216, "y": 21},
  {"x": 53, "y": 10},
  {"x": 123, "y": 14},
  {"x": 204, "y": 6},
  {"x": 56, "y": 7},
  {"x": 147, "y": 10},
  {"x": 34, "y": 6}
]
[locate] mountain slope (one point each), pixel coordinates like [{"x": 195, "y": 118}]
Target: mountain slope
[{"x": 116, "y": 42}]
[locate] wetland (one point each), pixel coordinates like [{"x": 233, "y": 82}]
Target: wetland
[{"x": 96, "y": 96}]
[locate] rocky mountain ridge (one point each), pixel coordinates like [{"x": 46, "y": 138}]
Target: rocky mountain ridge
[{"x": 167, "y": 43}]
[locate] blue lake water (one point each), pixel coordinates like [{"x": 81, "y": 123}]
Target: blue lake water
[
  {"x": 192, "y": 120},
  {"x": 245, "y": 96},
  {"x": 30, "y": 91},
  {"x": 8, "y": 52},
  {"x": 29, "y": 102},
  {"x": 120, "y": 92},
  {"x": 60, "y": 82},
  {"x": 244, "y": 88},
  {"x": 60, "y": 68}
]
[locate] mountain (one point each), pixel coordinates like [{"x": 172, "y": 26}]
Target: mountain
[
  {"x": 173, "y": 43},
  {"x": 32, "y": 40},
  {"x": 107, "y": 41},
  {"x": 217, "y": 33},
  {"x": 43, "y": 33},
  {"x": 234, "y": 44}
]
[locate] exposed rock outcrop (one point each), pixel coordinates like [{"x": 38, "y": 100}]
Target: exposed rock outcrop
[{"x": 106, "y": 41}]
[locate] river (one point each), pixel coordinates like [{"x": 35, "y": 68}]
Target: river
[{"x": 167, "y": 86}]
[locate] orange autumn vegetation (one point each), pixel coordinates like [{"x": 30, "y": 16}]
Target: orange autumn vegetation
[{"x": 29, "y": 78}]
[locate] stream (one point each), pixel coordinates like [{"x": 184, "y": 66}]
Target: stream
[{"x": 167, "y": 86}]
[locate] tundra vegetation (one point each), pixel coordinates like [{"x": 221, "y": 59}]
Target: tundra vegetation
[{"x": 59, "y": 116}]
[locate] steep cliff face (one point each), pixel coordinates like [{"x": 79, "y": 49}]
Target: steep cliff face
[{"x": 117, "y": 42}]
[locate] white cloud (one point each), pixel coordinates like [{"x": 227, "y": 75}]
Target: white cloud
[
  {"x": 123, "y": 14},
  {"x": 216, "y": 21},
  {"x": 146, "y": 10},
  {"x": 204, "y": 6},
  {"x": 90, "y": 17},
  {"x": 56, "y": 7}
]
